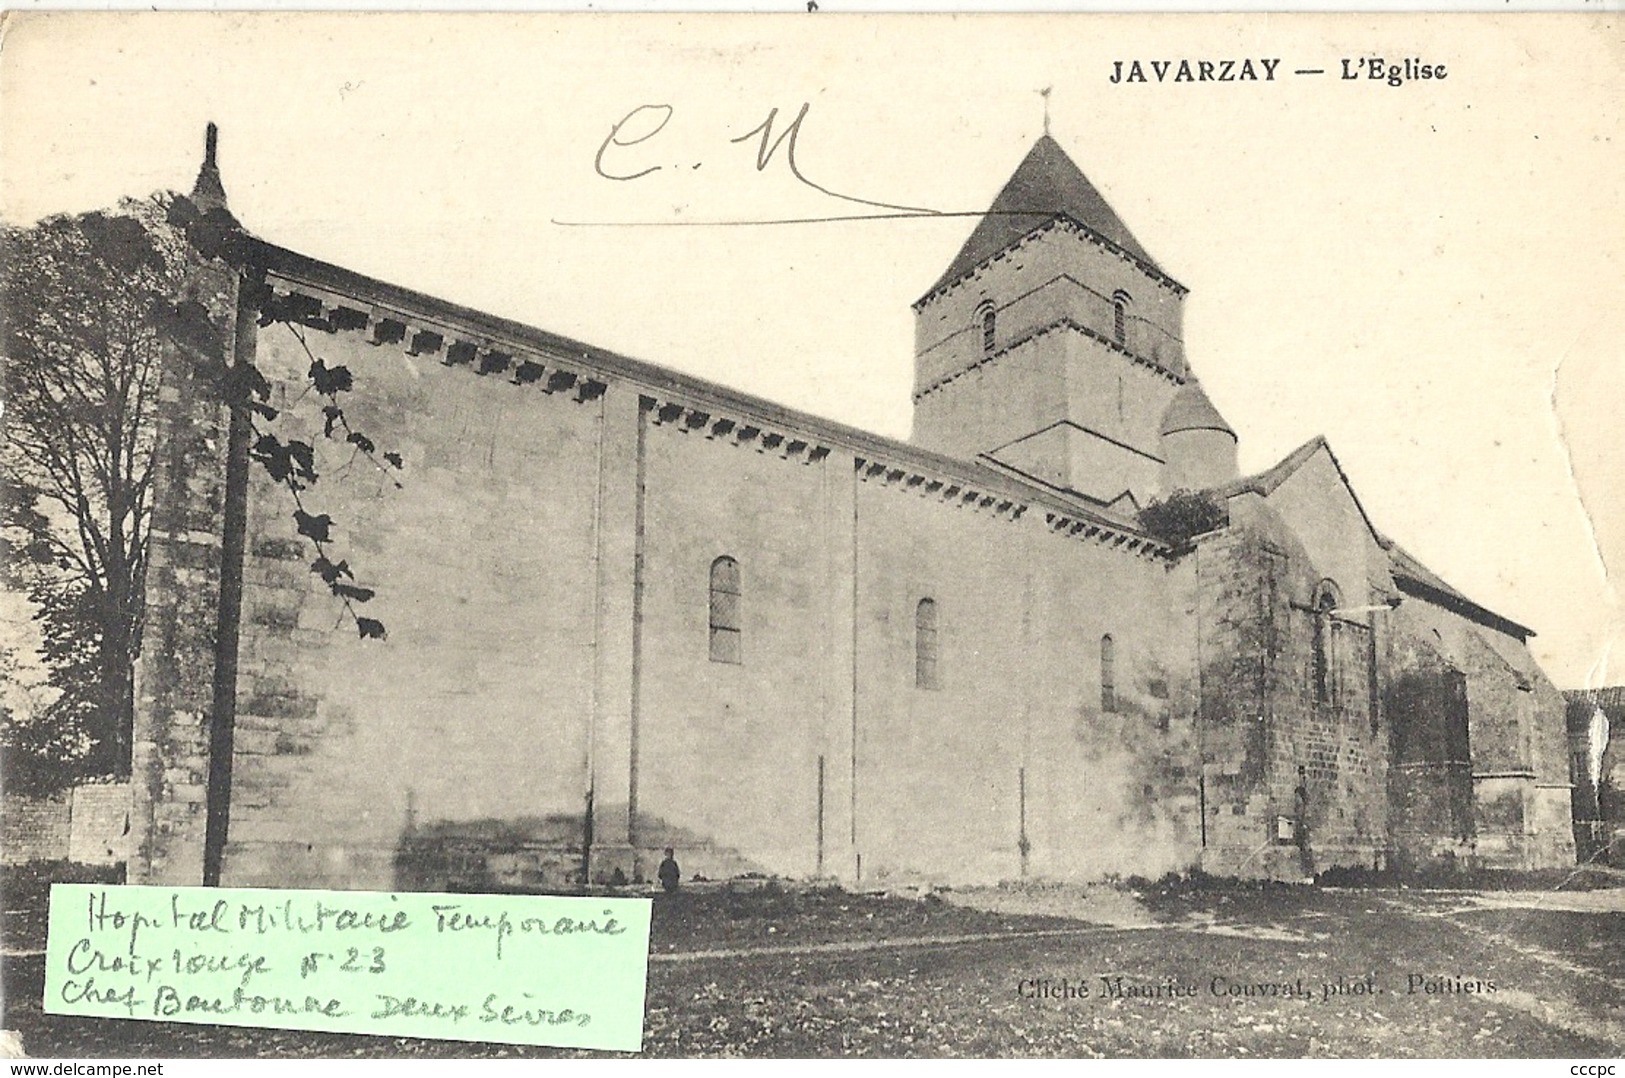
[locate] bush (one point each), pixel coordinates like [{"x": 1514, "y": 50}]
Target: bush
[
  {"x": 1179, "y": 518},
  {"x": 27, "y": 887}
]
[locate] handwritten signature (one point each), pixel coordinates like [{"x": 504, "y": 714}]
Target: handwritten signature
[{"x": 617, "y": 160}]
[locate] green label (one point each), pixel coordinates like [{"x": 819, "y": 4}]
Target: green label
[{"x": 519, "y": 969}]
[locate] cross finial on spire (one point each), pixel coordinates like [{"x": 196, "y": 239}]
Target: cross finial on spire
[{"x": 1044, "y": 93}]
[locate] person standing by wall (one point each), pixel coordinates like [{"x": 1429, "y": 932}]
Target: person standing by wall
[{"x": 670, "y": 874}]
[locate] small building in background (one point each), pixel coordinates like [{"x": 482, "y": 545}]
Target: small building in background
[{"x": 1596, "y": 727}]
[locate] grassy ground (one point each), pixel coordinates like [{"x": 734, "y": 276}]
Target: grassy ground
[{"x": 770, "y": 972}]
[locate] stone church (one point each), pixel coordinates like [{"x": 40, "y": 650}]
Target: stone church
[{"x": 628, "y": 609}]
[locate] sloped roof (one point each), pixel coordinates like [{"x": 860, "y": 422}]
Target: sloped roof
[
  {"x": 1611, "y": 699},
  {"x": 1409, "y": 574},
  {"x": 1414, "y": 578},
  {"x": 1402, "y": 562},
  {"x": 1266, "y": 481},
  {"x": 1044, "y": 186},
  {"x": 328, "y": 276},
  {"x": 1122, "y": 509},
  {"x": 1192, "y": 410}
]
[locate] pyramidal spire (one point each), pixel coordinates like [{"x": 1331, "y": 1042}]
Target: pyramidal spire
[
  {"x": 208, "y": 192},
  {"x": 1046, "y": 185},
  {"x": 1192, "y": 410}
]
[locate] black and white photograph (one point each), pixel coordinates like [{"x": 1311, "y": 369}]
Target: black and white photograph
[{"x": 999, "y": 535}]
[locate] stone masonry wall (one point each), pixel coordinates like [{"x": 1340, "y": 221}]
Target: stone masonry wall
[
  {"x": 1512, "y": 790},
  {"x": 88, "y": 824},
  {"x": 1265, "y": 717},
  {"x": 454, "y": 753},
  {"x": 544, "y": 705},
  {"x": 1019, "y": 761},
  {"x": 1235, "y": 637},
  {"x": 727, "y": 767},
  {"x": 34, "y": 828},
  {"x": 1430, "y": 777},
  {"x": 174, "y": 675},
  {"x": 546, "y": 709}
]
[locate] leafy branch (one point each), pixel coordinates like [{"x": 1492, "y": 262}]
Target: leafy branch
[{"x": 292, "y": 463}]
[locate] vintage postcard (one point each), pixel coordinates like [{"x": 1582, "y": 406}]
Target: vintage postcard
[{"x": 1063, "y": 535}]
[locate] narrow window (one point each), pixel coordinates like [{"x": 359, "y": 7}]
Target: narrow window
[
  {"x": 990, "y": 325},
  {"x": 1108, "y": 674},
  {"x": 1323, "y": 644},
  {"x": 725, "y": 611},
  {"x": 1120, "y": 303},
  {"x": 925, "y": 645}
]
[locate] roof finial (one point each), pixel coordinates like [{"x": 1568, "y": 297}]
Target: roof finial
[
  {"x": 208, "y": 192},
  {"x": 1044, "y": 93}
]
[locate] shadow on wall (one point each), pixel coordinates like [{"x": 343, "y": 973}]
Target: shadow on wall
[
  {"x": 539, "y": 855},
  {"x": 530, "y": 853},
  {"x": 1430, "y": 784}
]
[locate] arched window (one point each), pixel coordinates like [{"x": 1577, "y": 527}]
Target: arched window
[
  {"x": 1324, "y": 657},
  {"x": 1108, "y": 673},
  {"x": 725, "y": 621},
  {"x": 990, "y": 326},
  {"x": 1120, "y": 303},
  {"x": 925, "y": 645}
]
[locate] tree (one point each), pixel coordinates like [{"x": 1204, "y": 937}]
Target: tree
[
  {"x": 81, "y": 300},
  {"x": 88, "y": 304}
]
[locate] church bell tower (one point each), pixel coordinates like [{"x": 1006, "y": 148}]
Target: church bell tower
[{"x": 1053, "y": 343}]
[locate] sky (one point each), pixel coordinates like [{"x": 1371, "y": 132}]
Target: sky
[{"x": 1429, "y": 274}]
